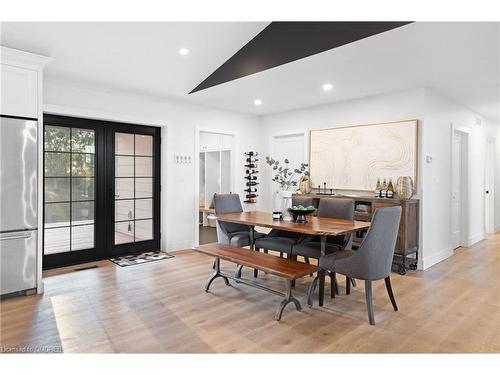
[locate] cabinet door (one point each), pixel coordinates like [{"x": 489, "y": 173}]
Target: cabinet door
[{"x": 19, "y": 91}]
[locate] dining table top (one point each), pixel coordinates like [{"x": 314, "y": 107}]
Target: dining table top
[{"x": 315, "y": 225}]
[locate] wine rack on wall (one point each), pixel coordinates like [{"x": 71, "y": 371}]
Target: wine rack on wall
[{"x": 251, "y": 171}]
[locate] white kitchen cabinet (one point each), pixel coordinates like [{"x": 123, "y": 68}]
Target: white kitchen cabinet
[{"x": 19, "y": 91}]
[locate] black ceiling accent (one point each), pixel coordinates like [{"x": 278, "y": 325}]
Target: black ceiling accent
[{"x": 283, "y": 42}]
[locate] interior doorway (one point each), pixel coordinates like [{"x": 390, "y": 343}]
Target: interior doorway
[
  {"x": 215, "y": 163},
  {"x": 291, "y": 147},
  {"x": 489, "y": 185},
  {"x": 459, "y": 189},
  {"x": 101, "y": 190}
]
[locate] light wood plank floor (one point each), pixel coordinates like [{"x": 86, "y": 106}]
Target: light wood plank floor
[{"x": 160, "y": 307}]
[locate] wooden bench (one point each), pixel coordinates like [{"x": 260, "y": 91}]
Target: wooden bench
[{"x": 287, "y": 269}]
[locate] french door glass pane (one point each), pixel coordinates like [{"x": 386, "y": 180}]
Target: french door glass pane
[
  {"x": 69, "y": 167},
  {"x": 56, "y": 138},
  {"x": 124, "y": 188},
  {"x": 82, "y": 165},
  {"x": 143, "y": 167},
  {"x": 56, "y": 240},
  {"x": 82, "y": 140},
  {"x": 56, "y": 214},
  {"x": 143, "y": 230},
  {"x": 57, "y": 164},
  {"x": 124, "y": 232},
  {"x": 124, "y": 144},
  {"x": 124, "y": 166},
  {"x": 143, "y": 145},
  {"x": 82, "y": 213},
  {"x": 56, "y": 189},
  {"x": 82, "y": 189},
  {"x": 124, "y": 210},
  {"x": 144, "y": 188},
  {"x": 82, "y": 237},
  {"x": 133, "y": 183},
  {"x": 143, "y": 208}
]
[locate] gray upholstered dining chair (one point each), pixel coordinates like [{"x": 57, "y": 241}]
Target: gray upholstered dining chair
[
  {"x": 373, "y": 259},
  {"x": 279, "y": 240},
  {"x": 231, "y": 233},
  {"x": 338, "y": 208},
  {"x": 282, "y": 241}
]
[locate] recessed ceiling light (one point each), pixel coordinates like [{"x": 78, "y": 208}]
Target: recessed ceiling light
[
  {"x": 327, "y": 87},
  {"x": 183, "y": 51},
  {"x": 257, "y": 102}
]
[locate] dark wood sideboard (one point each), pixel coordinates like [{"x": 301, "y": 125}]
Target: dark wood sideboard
[{"x": 406, "y": 252}]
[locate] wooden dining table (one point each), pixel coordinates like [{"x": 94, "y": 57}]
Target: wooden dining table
[{"x": 315, "y": 225}]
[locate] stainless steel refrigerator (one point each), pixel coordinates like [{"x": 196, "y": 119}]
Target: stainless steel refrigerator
[{"x": 18, "y": 205}]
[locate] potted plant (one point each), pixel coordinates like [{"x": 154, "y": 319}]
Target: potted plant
[{"x": 286, "y": 177}]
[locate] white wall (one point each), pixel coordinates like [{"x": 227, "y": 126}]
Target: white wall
[
  {"x": 181, "y": 122},
  {"x": 436, "y": 114}
]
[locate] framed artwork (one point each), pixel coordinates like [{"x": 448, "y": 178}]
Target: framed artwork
[{"x": 353, "y": 157}]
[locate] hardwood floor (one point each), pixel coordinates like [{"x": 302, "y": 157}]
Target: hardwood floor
[{"x": 161, "y": 307}]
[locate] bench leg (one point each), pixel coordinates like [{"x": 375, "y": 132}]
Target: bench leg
[
  {"x": 215, "y": 275},
  {"x": 310, "y": 293},
  {"x": 288, "y": 298},
  {"x": 237, "y": 273}
]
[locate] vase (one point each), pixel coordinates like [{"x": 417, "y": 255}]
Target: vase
[
  {"x": 286, "y": 203},
  {"x": 404, "y": 187}
]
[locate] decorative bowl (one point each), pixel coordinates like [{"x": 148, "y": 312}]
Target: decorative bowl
[{"x": 299, "y": 215}]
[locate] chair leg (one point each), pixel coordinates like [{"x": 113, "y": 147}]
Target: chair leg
[
  {"x": 369, "y": 301},
  {"x": 389, "y": 291},
  {"x": 347, "y": 285},
  {"x": 353, "y": 282},
  {"x": 266, "y": 251},
  {"x": 332, "y": 285},
  {"x": 281, "y": 254}
]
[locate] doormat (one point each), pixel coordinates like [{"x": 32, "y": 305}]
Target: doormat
[{"x": 130, "y": 260}]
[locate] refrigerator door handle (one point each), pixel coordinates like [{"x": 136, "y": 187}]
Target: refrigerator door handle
[{"x": 27, "y": 235}]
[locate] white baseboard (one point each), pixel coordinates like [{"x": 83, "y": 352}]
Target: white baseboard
[
  {"x": 475, "y": 238},
  {"x": 180, "y": 245},
  {"x": 497, "y": 227},
  {"x": 436, "y": 258}
]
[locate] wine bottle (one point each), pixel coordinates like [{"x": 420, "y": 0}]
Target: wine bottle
[
  {"x": 378, "y": 188},
  {"x": 252, "y": 183},
  {"x": 248, "y": 171},
  {"x": 383, "y": 192},
  {"x": 252, "y": 195},
  {"x": 251, "y": 165},
  {"x": 390, "y": 189},
  {"x": 250, "y": 177},
  {"x": 250, "y": 190},
  {"x": 251, "y": 160}
]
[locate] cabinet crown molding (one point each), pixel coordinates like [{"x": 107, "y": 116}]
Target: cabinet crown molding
[{"x": 11, "y": 56}]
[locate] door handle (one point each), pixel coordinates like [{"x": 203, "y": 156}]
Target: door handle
[{"x": 15, "y": 237}]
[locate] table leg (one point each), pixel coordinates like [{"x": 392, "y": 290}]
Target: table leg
[
  {"x": 215, "y": 275},
  {"x": 321, "y": 273},
  {"x": 288, "y": 298},
  {"x": 252, "y": 245}
]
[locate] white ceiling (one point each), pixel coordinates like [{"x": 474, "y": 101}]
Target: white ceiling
[{"x": 459, "y": 60}]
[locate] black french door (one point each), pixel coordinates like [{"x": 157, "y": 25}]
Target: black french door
[{"x": 101, "y": 190}]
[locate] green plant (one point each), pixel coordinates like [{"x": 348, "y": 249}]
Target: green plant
[{"x": 284, "y": 175}]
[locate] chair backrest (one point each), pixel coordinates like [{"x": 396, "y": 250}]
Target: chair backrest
[
  {"x": 304, "y": 201},
  {"x": 225, "y": 204},
  {"x": 338, "y": 208},
  {"x": 373, "y": 259}
]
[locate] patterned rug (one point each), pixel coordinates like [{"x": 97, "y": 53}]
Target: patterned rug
[{"x": 130, "y": 260}]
